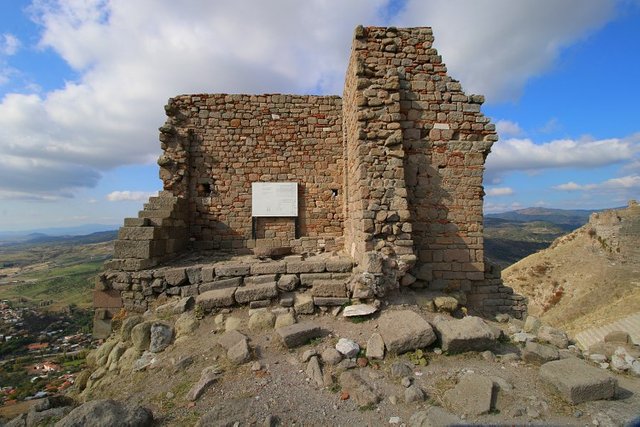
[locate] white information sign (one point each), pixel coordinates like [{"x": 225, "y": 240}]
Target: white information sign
[{"x": 274, "y": 199}]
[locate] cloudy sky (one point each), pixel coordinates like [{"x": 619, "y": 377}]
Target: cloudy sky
[{"x": 83, "y": 84}]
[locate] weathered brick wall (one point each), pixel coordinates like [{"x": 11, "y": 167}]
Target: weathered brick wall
[
  {"x": 217, "y": 145},
  {"x": 415, "y": 151}
]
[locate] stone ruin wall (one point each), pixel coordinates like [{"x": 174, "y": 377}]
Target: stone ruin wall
[
  {"x": 391, "y": 173},
  {"x": 226, "y": 142}
]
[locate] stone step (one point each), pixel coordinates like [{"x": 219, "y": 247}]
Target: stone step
[{"x": 629, "y": 324}]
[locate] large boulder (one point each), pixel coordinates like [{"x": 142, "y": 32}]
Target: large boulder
[
  {"x": 107, "y": 413},
  {"x": 161, "y": 336},
  {"x": 404, "y": 330},
  {"x": 577, "y": 381},
  {"x": 468, "y": 334}
]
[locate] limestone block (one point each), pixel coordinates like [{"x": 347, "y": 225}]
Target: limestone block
[
  {"x": 216, "y": 298},
  {"x": 232, "y": 270},
  {"x": 329, "y": 288},
  {"x": 577, "y": 381},
  {"x": 274, "y": 267},
  {"x": 305, "y": 267},
  {"x": 404, "y": 330},
  {"x": 231, "y": 282},
  {"x": 257, "y": 292}
]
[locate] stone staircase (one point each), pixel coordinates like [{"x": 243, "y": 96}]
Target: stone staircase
[{"x": 629, "y": 324}]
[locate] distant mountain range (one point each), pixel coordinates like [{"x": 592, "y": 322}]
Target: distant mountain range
[
  {"x": 40, "y": 234},
  {"x": 511, "y": 236}
]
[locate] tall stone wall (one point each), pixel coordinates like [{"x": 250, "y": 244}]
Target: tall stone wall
[
  {"x": 415, "y": 151},
  {"x": 216, "y": 145}
]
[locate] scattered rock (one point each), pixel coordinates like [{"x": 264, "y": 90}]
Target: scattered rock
[
  {"x": 346, "y": 364},
  {"x": 405, "y": 382},
  {"x": 532, "y": 324},
  {"x": 405, "y": 330},
  {"x": 539, "y": 353},
  {"x": 182, "y": 363},
  {"x": 598, "y": 358},
  {"x": 308, "y": 354},
  {"x": 553, "y": 336},
  {"x": 522, "y": 337},
  {"x": 147, "y": 359},
  {"x": 176, "y": 307},
  {"x": 577, "y": 381},
  {"x": 107, "y": 413},
  {"x": 331, "y": 356},
  {"x": 358, "y": 389},
  {"x": 359, "y": 310},
  {"x": 303, "y": 304},
  {"x": 314, "y": 372},
  {"x": 433, "y": 416},
  {"x": 231, "y": 338},
  {"x": 299, "y": 333},
  {"x": 468, "y": 334},
  {"x": 141, "y": 335},
  {"x": 208, "y": 376},
  {"x": 347, "y": 347},
  {"x": 239, "y": 353},
  {"x": 413, "y": 394},
  {"x": 375, "y": 346},
  {"x": 472, "y": 395},
  {"x": 160, "y": 337},
  {"x": 127, "y": 326},
  {"x": 256, "y": 366},
  {"x": 445, "y": 303},
  {"x": 285, "y": 319},
  {"x": 232, "y": 323},
  {"x": 362, "y": 362},
  {"x": 401, "y": 369},
  {"x": 186, "y": 324},
  {"x": 262, "y": 320}
]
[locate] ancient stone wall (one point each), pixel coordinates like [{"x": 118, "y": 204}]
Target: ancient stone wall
[
  {"x": 391, "y": 173},
  {"x": 415, "y": 151},
  {"x": 217, "y": 145}
]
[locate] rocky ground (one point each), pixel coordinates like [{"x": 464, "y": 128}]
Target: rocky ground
[{"x": 234, "y": 367}]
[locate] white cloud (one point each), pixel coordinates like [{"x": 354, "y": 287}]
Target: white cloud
[
  {"x": 525, "y": 155},
  {"x": 499, "y": 191},
  {"x": 129, "y": 61},
  {"x": 9, "y": 44},
  {"x": 494, "y": 46},
  {"x": 129, "y": 196},
  {"x": 131, "y": 56},
  {"x": 623, "y": 183},
  {"x": 508, "y": 128}
]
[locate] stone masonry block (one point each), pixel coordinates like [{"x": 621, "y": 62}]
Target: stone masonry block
[
  {"x": 308, "y": 279},
  {"x": 277, "y": 267},
  {"x": 232, "y": 270},
  {"x": 339, "y": 265},
  {"x": 329, "y": 288},
  {"x": 263, "y": 291},
  {"x": 138, "y": 233},
  {"x": 216, "y": 298},
  {"x": 136, "y": 222},
  {"x": 305, "y": 267},
  {"x": 138, "y": 249},
  {"x": 577, "y": 381},
  {"x": 231, "y": 282}
]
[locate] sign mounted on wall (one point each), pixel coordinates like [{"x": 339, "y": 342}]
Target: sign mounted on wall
[{"x": 274, "y": 199}]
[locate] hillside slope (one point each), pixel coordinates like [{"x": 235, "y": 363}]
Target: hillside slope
[{"x": 588, "y": 277}]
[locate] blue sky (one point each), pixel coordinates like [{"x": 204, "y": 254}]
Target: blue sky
[{"x": 83, "y": 84}]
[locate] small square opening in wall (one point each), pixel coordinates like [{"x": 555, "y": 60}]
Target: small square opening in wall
[
  {"x": 334, "y": 193},
  {"x": 204, "y": 189}
]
